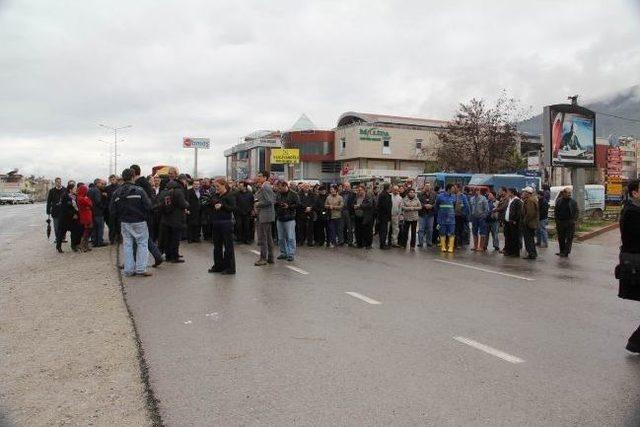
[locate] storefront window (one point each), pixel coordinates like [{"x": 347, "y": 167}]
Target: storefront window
[{"x": 386, "y": 147}]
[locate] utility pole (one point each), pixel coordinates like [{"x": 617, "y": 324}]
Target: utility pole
[
  {"x": 115, "y": 143},
  {"x": 110, "y": 155}
]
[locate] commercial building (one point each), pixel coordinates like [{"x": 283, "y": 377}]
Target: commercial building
[
  {"x": 246, "y": 160},
  {"x": 376, "y": 145},
  {"x": 317, "y": 152}
]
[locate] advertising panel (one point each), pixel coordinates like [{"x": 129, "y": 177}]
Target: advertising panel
[
  {"x": 188, "y": 142},
  {"x": 570, "y": 135}
]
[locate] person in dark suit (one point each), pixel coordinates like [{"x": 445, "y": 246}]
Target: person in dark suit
[
  {"x": 383, "y": 210},
  {"x": 243, "y": 214},
  {"x": 565, "y": 213},
  {"x": 628, "y": 272},
  {"x": 363, "y": 208},
  {"x": 193, "y": 219},
  {"x": 224, "y": 205},
  {"x": 512, "y": 220}
]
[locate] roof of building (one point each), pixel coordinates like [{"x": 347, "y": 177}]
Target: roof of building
[
  {"x": 355, "y": 117},
  {"x": 302, "y": 124}
]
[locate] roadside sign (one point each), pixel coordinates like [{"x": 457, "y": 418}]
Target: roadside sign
[
  {"x": 188, "y": 142},
  {"x": 285, "y": 155}
]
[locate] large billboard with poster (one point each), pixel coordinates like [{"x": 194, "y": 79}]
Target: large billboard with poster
[{"x": 570, "y": 135}]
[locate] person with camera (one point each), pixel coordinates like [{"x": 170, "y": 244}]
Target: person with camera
[{"x": 286, "y": 206}]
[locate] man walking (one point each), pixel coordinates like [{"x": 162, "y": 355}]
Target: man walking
[
  {"x": 565, "y": 214},
  {"x": 264, "y": 205},
  {"x": 384, "y": 212},
  {"x": 286, "y": 206},
  {"x": 530, "y": 219},
  {"x": 131, "y": 207},
  {"x": 53, "y": 205}
]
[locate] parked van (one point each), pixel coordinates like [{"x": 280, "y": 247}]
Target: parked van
[{"x": 593, "y": 199}]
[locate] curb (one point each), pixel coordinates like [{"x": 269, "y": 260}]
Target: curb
[
  {"x": 599, "y": 231},
  {"x": 152, "y": 403}
]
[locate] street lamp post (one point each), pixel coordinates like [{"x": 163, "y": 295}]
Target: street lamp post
[
  {"x": 110, "y": 154},
  {"x": 115, "y": 143}
]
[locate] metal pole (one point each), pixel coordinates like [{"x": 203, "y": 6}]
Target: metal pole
[
  {"x": 115, "y": 148},
  {"x": 195, "y": 163}
]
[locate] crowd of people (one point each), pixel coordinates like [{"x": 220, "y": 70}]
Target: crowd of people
[{"x": 153, "y": 215}]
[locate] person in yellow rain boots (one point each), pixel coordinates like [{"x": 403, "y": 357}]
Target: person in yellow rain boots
[{"x": 446, "y": 218}]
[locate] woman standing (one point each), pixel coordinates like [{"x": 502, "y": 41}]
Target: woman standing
[
  {"x": 223, "y": 204},
  {"x": 85, "y": 216},
  {"x": 628, "y": 272}
]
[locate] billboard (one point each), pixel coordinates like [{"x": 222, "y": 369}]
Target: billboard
[
  {"x": 188, "y": 142},
  {"x": 570, "y": 135},
  {"x": 285, "y": 155}
]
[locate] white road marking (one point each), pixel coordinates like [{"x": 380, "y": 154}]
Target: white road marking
[
  {"x": 296, "y": 269},
  {"x": 486, "y": 270},
  {"x": 253, "y": 251},
  {"x": 490, "y": 350},
  {"x": 188, "y": 322},
  {"x": 363, "y": 298}
]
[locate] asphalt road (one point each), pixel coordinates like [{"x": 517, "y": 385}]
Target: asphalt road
[
  {"x": 464, "y": 339},
  {"x": 17, "y": 220}
]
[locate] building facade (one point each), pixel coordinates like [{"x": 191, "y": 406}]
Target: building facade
[
  {"x": 317, "y": 152},
  {"x": 384, "y": 146},
  {"x": 247, "y": 159}
]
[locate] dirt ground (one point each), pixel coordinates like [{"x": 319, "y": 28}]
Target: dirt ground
[{"x": 67, "y": 347}]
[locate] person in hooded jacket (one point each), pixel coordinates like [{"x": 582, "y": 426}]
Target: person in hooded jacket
[
  {"x": 85, "y": 216},
  {"x": 173, "y": 210},
  {"x": 628, "y": 272}
]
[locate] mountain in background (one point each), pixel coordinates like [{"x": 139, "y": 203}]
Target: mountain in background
[{"x": 625, "y": 104}]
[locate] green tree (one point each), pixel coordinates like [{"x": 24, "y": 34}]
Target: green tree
[{"x": 481, "y": 138}]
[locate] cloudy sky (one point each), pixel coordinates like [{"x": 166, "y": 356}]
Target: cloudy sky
[{"x": 222, "y": 69}]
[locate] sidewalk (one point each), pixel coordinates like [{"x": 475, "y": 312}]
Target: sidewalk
[{"x": 68, "y": 354}]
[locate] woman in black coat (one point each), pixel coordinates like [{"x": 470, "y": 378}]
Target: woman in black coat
[
  {"x": 223, "y": 204},
  {"x": 628, "y": 272}
]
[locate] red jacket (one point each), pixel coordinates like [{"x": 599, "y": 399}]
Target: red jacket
[{"x": 85, "y": 215}]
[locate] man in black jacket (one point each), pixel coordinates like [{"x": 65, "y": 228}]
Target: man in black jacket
[
  {"x": 512, "y": 217},
  {"x": 243, "y": 214},
  {"x": 146, "y": 186},
  {"x": 193, "y": 219},
  {"x": 320, "y": 217},
  {"x": 345, "y": 227},
  {"x": 113, "y": 227},
  {"x": 286, "y": 208},
  {"x": 173, "y": 210},
  {"x": 304, "y": 216},
  {"x": 53, "y": 204},
  {"x": 130, "y": 205},
  {"x": 98, "y": 199},
  {"x": 565, "y": 214},
  {"x": 383, "y": 208}
]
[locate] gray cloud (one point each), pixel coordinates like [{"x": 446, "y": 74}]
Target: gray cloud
[{"x": 224, "y": 69}]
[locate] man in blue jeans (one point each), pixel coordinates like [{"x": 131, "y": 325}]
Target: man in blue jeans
[
  {"x": 425, "y": 222},
  {"x": 131, "y": 206},
  {"x": 286, "y": 204}
]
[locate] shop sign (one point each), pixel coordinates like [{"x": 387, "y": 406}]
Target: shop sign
[
  {"x": 372, "y": 134},
  {"x": 285, "y": 155}
]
